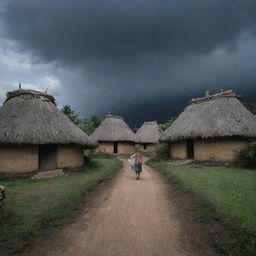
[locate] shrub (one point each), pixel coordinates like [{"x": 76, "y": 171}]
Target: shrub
[
  {"x": 162, "y": 151},
  {"x": 247, "y": 157},
  {"x": 88, "y": 155}
]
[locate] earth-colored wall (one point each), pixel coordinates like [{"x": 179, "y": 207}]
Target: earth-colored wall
[
  {"x": 69, "y": 156},
  {"x": 226, "y": 150},
  {"x": 219, "y": 149},
  {"x": 124, "y": 148},
  {"x": 150, "y": 148},
  {"x": 18, "y": 159},
  {"x": 178, "y": 150},
  {"x": 105, "y": 147}
]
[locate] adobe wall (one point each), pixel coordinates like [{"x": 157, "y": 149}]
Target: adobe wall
[
  {"x": 18, "y": 159},
  {"x": 69, "y": 156},
  {"x": 126, "y": 148},
  {"x": 178, "y": 150},
  {"x": 105, "y": 147},
  {"x": 226, "y": 150},
  {"x": 151, "y": 148}
]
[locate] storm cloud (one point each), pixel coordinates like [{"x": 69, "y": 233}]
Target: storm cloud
[{"x": 141, "y": 59}]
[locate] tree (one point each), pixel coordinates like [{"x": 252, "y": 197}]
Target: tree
[
  {"x": 66, "y": 109},
  {"x": 166, "y": 125},
  {"x": 86, "y": 125}
]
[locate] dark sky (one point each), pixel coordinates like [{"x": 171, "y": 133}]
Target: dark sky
[{"x": 141, "y": 59}]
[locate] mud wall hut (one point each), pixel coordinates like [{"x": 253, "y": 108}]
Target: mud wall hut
[
  {"x": 212, "y": 128},
  {"x": 114, "y": 136},
  {"x": 36, "y": 135},
  {"x": 147, "y": 136}
]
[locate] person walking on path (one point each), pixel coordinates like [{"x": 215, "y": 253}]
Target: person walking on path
[{"x": 138, "y": 163}]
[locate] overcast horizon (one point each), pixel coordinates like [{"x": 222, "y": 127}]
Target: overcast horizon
[{"x": 143, "y": 60}]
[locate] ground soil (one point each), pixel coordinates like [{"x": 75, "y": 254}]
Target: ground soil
[{"x": 133, "y": 218}]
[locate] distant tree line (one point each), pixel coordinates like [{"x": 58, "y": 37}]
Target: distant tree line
[
  {"x": 167, "y": 124},
  {"x": 88, "y": 125}
]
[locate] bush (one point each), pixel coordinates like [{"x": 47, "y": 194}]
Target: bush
[
  {"x": 247, "y": 157},
  {"x": 88, "y": 155},
  {"x": 162, "y": 151}
]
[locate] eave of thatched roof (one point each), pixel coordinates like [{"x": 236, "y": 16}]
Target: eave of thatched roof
[
  {"x": 218, "y": 117},
  {"x": 113, "y": 128},
  {"x": 149, "y": 132},
  {"x": 34, "y": 119}
]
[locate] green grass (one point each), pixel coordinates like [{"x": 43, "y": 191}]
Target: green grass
[
  {"x": 34, "y": 206},
  {"x": 230, "y": 191}
]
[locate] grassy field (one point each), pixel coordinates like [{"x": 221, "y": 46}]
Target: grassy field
[
  {"x": 229, "y": 190},
  {"x": 33, "y": 206}
]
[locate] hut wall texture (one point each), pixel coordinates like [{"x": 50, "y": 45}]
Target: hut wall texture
[
  {"x": 105, "y": 147},
  {"x": 69, "y": 156},
  {"x": 18, "y": 159},
  {"x": 226, "y": 149},
  {"x": 178, "y": 150},
  {"x": 126, "y": 148},
  {"x": 150, "y": 148}
]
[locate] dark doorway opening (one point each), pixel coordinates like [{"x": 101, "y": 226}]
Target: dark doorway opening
[
  {"x": 47, "y": 157},
  {"x": 190, "y": 149},
  {"x": 145, "y": 146},
  {"x": 115, "y": 148}
]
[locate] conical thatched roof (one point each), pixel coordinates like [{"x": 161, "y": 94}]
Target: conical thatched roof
[
  {"x": 149, "y": 132},
  {"x": 31, "y": 117},
  {"x": 113, "y": 128},
  {"x": 219, "y": 115}
]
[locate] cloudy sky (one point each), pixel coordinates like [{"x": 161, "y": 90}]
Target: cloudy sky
[{"x": 142, "y": 59}]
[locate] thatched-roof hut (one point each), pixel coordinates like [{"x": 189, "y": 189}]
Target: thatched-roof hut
[
  {"x": 114, "y": 136},
  {"x": 148, "y": 136},
  {"x": 215, "y": 127},
  {"x": 36, "y": 135}
]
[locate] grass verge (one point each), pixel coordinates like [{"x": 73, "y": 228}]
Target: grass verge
[
  {"x": 222, "y": 192},
  {"x": 34, "y": 206}
]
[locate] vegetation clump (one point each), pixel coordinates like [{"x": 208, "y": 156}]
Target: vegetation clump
[
  {"x": 86, "y": 125},
  {"x": 247, "y": 157},
  {"x": 162, "y": 152}
]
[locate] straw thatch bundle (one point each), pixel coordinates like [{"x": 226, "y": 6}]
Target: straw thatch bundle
[
  {"x": 220, "y": 116},
  {"x": 149, "y": 132},
  {"x": 31, "y": 117},
  {"x": 112, "y": 129}
]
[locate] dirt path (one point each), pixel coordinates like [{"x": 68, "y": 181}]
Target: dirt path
[{"x": 130, "y": 218}]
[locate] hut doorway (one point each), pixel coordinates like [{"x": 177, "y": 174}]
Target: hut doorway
[
  {"x": 190, "y": 149},
  {"x": 115, "y": 148},
  {"x": 47, "y": 157},
  {"x": 144, "y": 146}
]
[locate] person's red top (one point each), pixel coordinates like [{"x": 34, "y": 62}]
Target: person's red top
[{"x": 138, "y": 158}]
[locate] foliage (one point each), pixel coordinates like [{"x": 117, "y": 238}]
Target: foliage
[
  {"x": 87, "y": 125},
  {"x": 33, "y": 207},
  {"x": 230, "y": 191},
  {"x": 71, "y": 114},
  {"x": 247, "y": 157},
  {"x": 88, "y": 154},
  {"x": 162, "y": 151},
  {"x": 166, "y": 125}
]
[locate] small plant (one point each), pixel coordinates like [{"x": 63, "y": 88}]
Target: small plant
[
  {"x": 247, "y": 157},
  {"x": 162, "y": 151}
]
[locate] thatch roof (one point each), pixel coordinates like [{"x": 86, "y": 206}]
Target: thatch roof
[
  {"x": 31, "y": 117},
  {"x": 149, "y": 132},
  {"x": 113, "y": 128},
  {"x": 220, "y": 115}
]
